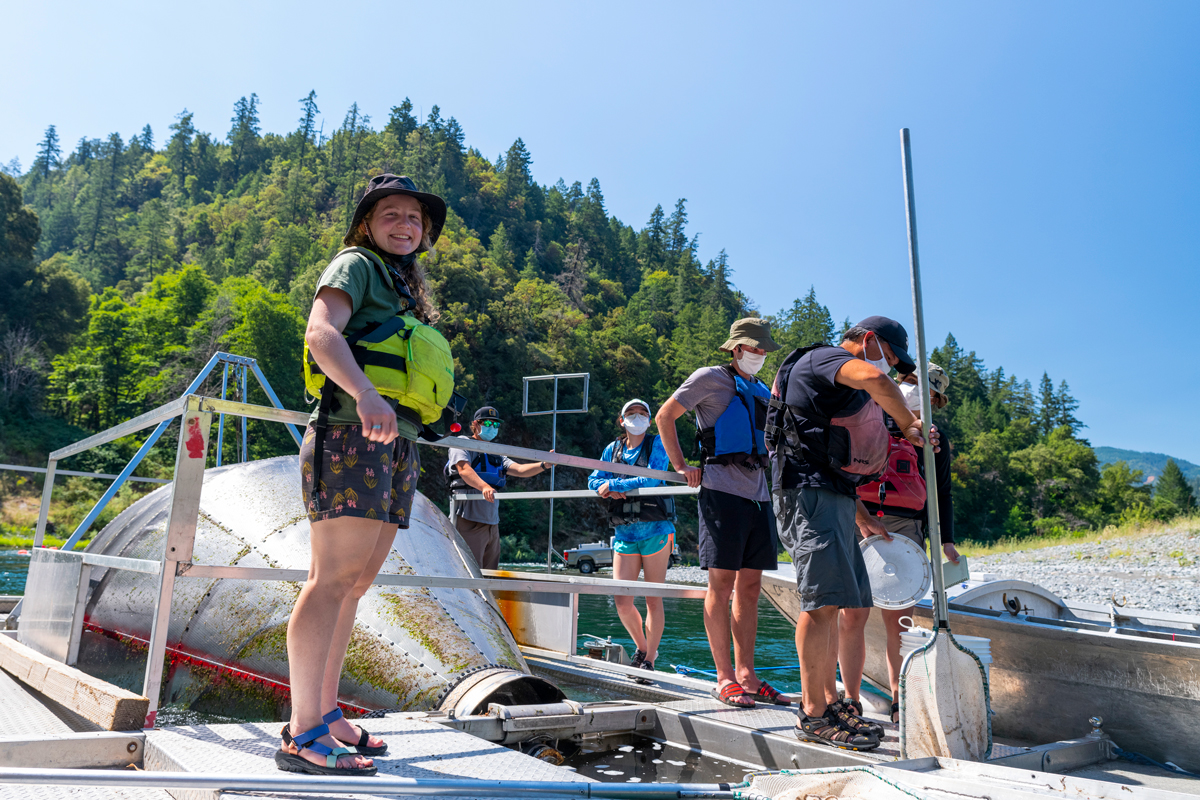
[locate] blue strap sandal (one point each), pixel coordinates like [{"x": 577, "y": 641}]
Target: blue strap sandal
[
  {"x": 363, "y": 737},
  {"x": 290, "y": 761}
]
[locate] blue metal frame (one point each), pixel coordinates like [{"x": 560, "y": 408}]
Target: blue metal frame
[{"x": 218, "y": 358}]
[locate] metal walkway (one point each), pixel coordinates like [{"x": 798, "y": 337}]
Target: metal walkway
[{"x": 417, "y": 748}]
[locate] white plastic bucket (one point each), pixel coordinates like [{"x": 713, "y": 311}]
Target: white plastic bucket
[{"x": 914, "y": 638}]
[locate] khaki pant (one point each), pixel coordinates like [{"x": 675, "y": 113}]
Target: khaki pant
[{"x": 483, "y": 540}]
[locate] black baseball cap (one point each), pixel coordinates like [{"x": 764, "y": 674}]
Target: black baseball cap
[
  {"x": 894, "y": 334},
  {"x": 487, "y": 412}
]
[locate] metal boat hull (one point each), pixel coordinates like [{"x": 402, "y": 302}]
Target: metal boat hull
[
  {"x": 407, "y": 645},
  {"x": 1050, "y": 675}
]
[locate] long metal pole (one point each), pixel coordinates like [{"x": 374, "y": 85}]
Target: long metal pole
[
  {"x": 931, "y": 500},
  {"x": 553, "y": 446},
  {"x": 190, "y": 459},
  {"x": 221, "y": 417},
  {"x": 245, "y": 444},
  {"x": 379, "y": 785},
  {"x": 266, "y": 387},
  {"x": 44, "y": 511}
]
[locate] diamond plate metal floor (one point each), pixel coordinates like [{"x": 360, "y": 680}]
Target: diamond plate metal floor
[
  {"x": 418, "y": 748},
  {"x": 22, "y": 714}
]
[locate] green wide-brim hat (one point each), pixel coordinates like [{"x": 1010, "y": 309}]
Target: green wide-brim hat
[{"x": 750, "y": 332}]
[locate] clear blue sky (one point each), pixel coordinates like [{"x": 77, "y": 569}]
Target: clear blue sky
[{"x": 1057, "y": 145}]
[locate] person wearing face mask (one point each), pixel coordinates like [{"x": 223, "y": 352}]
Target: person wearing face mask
[
  {"x": 826, "y": 426},
  {"x": 478, "y": 521},
  {"x": 737, "y": 527},
  {"x": 643, "y": 527},
  {"x": 897, "y": 499}
]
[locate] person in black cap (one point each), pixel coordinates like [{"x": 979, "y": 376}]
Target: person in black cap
[
  {"x": 359, "y": 476},
  {"x": 478, "y": 521},
  {"x": 827, "y": 429}
]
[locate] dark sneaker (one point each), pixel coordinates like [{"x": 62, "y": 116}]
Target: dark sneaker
[
  {"x": 639, "y": 657},
  {"x": 645, "y": 665}
]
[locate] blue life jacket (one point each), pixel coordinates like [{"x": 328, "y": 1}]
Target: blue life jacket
[
  {"x": 488, "y": 467},
  {"x": 737, "y": 437}
]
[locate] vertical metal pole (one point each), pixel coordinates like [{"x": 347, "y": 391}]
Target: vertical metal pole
[
  {"x": 44, "y": 511},
  {"x": 190, "y": 458},
  {"x": 76, "y": 634},
  {"x": 245, "y": 447},
  {"x": 553, "y": 446},
  {"x": 931, "y": 503},
  {"x": 221, "y": 418}
]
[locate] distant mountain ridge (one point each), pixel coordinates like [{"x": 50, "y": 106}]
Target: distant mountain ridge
[{"x": 1148, "y": 463}]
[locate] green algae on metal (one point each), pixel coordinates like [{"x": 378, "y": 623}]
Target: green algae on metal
[
  {"x": 420, "y": 615},
  {"x": 372, "y": 663}
]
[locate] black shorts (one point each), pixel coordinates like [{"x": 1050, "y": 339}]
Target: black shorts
[{"x": 736, "y": 533}]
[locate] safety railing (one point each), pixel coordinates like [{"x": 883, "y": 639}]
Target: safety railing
[{"x": 196, "y": 413}]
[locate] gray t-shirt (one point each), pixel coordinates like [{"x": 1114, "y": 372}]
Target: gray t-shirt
[
  {"x": 708, "y": 392},
  {"x": 474, "y": 510}
]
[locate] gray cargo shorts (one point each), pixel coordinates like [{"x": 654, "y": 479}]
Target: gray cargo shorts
[{"x": 818, "y": 529}]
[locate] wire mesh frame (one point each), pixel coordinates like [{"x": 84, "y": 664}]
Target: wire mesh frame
[
  {"x": 904, "y": 670},
  {"x": 553, "y": 412}
]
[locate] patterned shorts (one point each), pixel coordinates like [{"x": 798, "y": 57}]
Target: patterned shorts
[{"x": 359, "y": 478}]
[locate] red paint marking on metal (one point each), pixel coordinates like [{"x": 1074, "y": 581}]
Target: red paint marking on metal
[{"x": 195, "y": 439}]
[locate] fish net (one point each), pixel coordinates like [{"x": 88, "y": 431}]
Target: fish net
[
  {"x": 944, "y": 705},
  {"x": 841, "y": 783}
]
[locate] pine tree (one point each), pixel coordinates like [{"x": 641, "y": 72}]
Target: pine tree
[
  {"x": 1172, "y": 489},
  {"x": 179, "y": 148},
  {"x": 1065, "y": 406},
  {"x": 516, "y": 170},
  {"x": 147, "y": 138},
  {"x": 48, "y": 153},
  {"x": 244, "y": 135},
  {"x": 308, "y": 123},
  {"x": 1047, "y": 414},
  {"x": 676, "y": 236},
  {"x": 402, "y": 122}
]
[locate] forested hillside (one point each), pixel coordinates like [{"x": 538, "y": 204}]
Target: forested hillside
[{"x": 125, "y": 263}]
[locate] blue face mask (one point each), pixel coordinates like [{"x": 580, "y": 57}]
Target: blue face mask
[{"x": 487, "y": 434}]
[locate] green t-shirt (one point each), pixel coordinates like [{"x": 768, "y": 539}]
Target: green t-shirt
[{"x": 372, "y": 299}]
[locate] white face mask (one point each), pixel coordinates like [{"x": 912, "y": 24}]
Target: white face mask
[
  {"x": 751, "y": 363},
  {"x": 636, "y": 424},
  {"x": 880, "y": 364},
  {"x": 912, "y": 397}
]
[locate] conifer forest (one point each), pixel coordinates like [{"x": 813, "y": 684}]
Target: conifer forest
[{"x": 127, "y": 261}]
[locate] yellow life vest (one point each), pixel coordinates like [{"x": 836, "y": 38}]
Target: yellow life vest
[{"x": 404, "y": 359}]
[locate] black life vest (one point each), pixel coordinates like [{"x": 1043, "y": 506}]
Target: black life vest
[
  {"x": 639, "y": 509},
  {"x": 488, "y": 467},
  {"x": 853, "y": 444},
  {"x": 737, "y": 437}
]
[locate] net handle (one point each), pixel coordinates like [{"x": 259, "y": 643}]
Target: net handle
[{"x": 940, "y": 607}]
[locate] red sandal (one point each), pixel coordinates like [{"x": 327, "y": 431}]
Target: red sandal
[
  {"x": 731, "y": 690},
  {"x": 769, "y": 694}
]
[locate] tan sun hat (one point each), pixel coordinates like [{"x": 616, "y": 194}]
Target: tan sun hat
[
  {"x": 751, "y": 332},
  {"x": 938, "y": 380}
]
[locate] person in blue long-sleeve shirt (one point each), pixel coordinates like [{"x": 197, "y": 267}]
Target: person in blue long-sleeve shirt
[{"x": 644, "y": 526}]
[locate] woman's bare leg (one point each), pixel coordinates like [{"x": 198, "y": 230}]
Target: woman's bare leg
[
  {"x": 655, "y": 568},
  {"x": 342, "y": 730},
  {"x": 336, "y": 567},
  {"x": 627, "y": 568}
]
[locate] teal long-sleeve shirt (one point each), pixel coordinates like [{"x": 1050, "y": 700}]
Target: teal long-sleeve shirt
[{"x": 635, "y": 531}]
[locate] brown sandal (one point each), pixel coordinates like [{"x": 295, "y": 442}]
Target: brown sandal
[
  {"x": 844, "y": 710},
  {"x": 826, "y": 730},
  {"x": 769, "y": 694}
]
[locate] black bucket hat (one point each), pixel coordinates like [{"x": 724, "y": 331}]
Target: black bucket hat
[
  {"x": 381, "y": 186},
  {"x": 487, "y": 412}
]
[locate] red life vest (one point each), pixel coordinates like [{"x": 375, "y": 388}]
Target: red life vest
[{"x": 901, "y": 484}]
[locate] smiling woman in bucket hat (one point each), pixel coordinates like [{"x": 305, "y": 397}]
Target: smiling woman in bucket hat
[{"x": 358, "y": 463}]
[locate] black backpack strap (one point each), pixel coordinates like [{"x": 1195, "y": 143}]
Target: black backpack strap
[{"x": 320, "y": 427}]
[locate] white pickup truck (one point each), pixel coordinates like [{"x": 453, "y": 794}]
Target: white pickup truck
[{"x": 587, "y": 558}]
